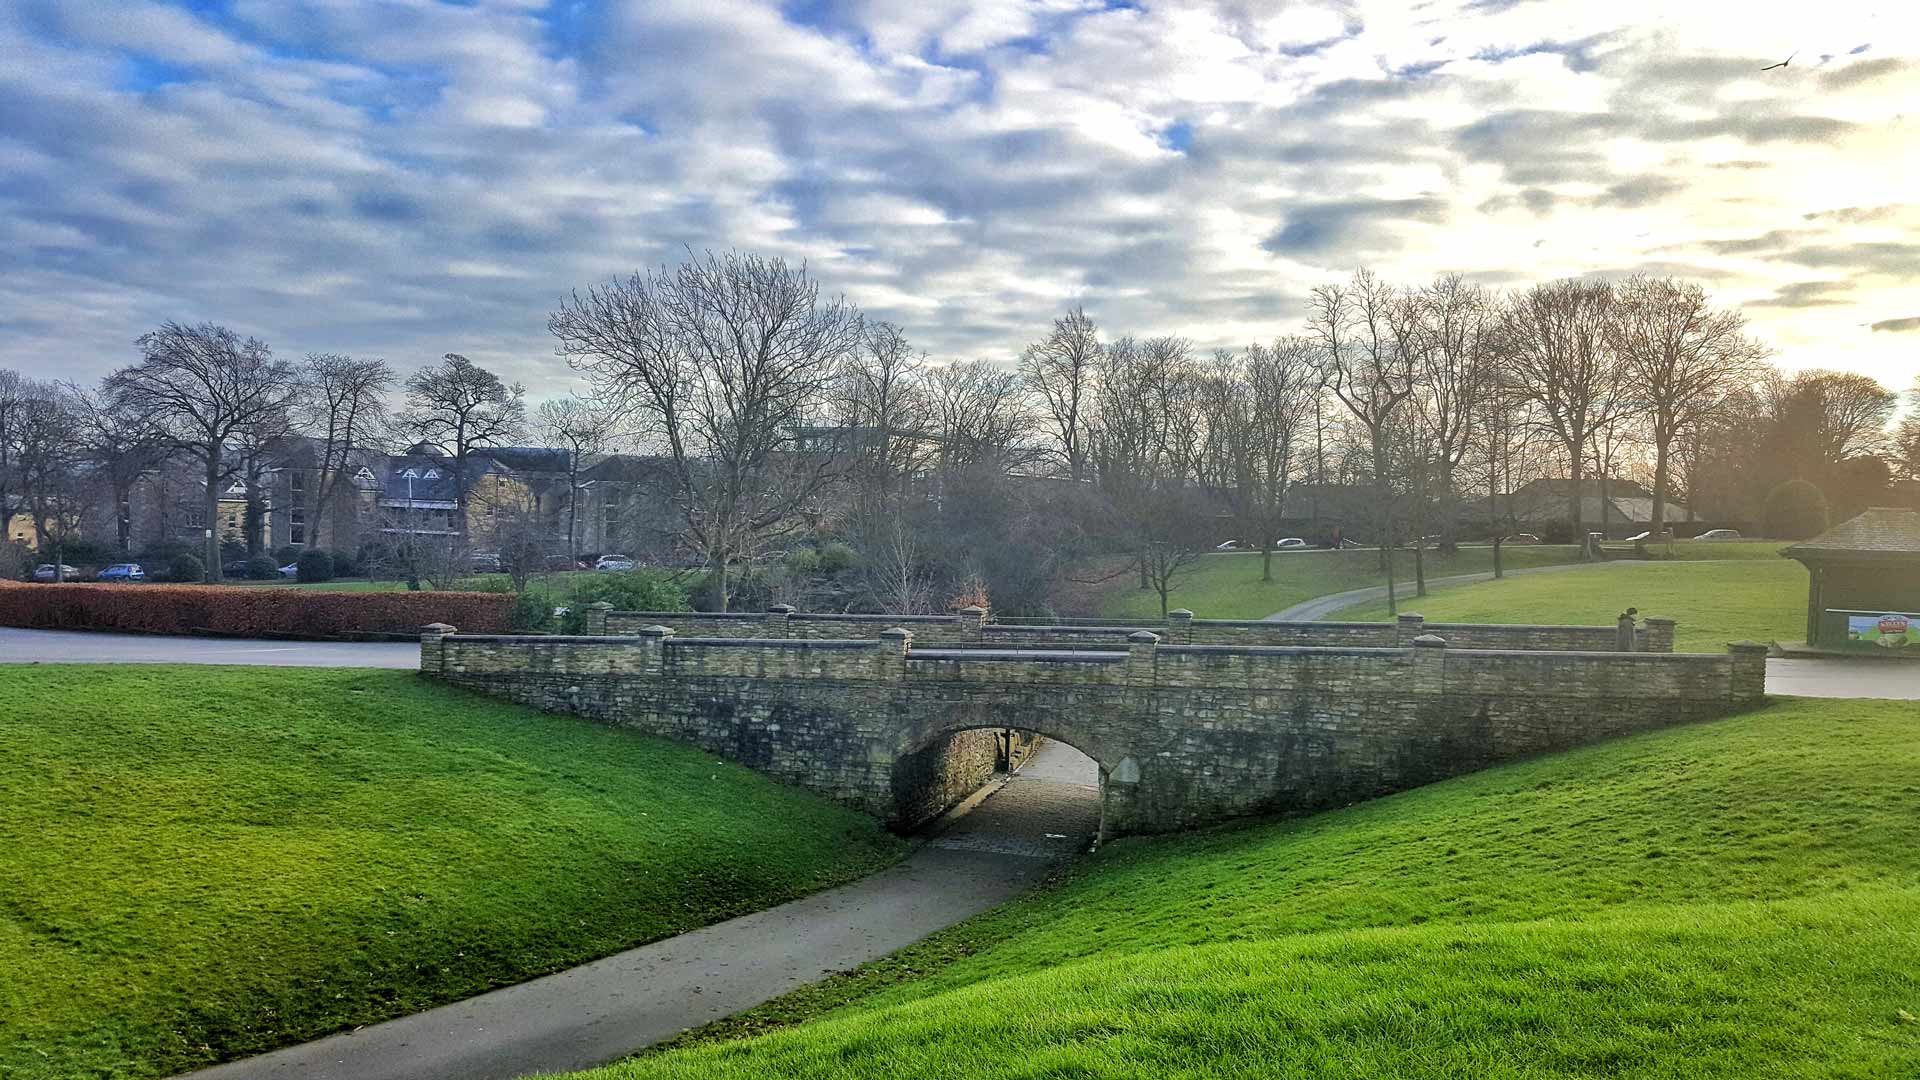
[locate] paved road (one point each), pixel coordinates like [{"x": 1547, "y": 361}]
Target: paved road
[
  {"x": 604, "y": 1010},
  {"x": 1845, "y": 678},
  {"x": 77, "y": 647},
  {"x": 1322, "y": 606}
]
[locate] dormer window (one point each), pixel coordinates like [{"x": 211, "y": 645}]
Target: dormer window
[
  {"x": 410, "y": 474},
  {"x": 433, "y": 474}
]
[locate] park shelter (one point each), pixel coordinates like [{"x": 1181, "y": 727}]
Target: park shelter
[{"x": 1863, "y": 581}]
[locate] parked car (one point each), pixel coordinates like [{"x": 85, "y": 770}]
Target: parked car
[
  {"x": 45, "y": 572},
  {"x": 1521, "y": 538},
  {"x": 1230, "y": 545},
  {"x": 613, "y": 562},
  {"x": 1719, "y": 534},
  {"x": 123, "y": 571},
  {"x": 484, "y": 562},
  {"x": 234, "y": 568},
  {"x": 1640, "y": 536},
  {"x": 291, "y": 570},
  {"x": 561, "y": 562},
  {"x": 1289, "y": 544}
]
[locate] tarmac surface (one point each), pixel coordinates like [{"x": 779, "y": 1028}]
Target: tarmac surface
[{"x": 1007, "y": 842}]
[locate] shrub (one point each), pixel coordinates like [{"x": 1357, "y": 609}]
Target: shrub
[
  {"x": 175, "y": 609},
  {"x": 1794, "y": 510},
  {"x": 165, "y": 554},
  {"x": 314, "y": 566},
  {"x": 638, "y": 590},
  {"x": 287, "y": 554},
  {"x": 348, "y": 564},
  {"x": 804, "y": 562},
  {"x": 531, "y": 611},
  {"x": 490, "y": 583},
  {"x": 838, "y": 558},
  {"x": 187, "y": 569},
  {"x": 262, "y": 568}
]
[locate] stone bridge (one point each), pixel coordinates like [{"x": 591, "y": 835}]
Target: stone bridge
[{"x": 1185, "y": 735}]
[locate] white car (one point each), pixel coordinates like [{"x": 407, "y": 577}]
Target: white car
[
  {"x": 1289, "y": 544},
  {"x": 613, "y": 562},
  {"x": 1637, "y": 537},
  {"x": 1719, "y": 534},
  {"x": 1230, "y": 545}
]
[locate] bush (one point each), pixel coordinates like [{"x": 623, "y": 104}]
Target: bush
[
  {"x": 175, "y": 609},
  {"x": 165, "y": 554},
  {"x": 314, "y": 566},
  {"x": 262, "y": 568},
  {"x": 838, "y": 558},
  {"x": 804, "y": 562},
  {"x": 348, "y": 564},
  {"x": 1794, "y": 510},
  {"x": 187, "y": 569},
  {"x": 285, "y": 555},
  {"x": 531, "y": 612},
  {"x": 637, "y": 590}
]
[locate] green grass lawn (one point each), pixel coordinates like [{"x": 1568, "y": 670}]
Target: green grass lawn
[
  {"x": 1715, "y": 602},
  {"x": 1229, "y": 586},
  {"x": 1729, "y": 900},
  {"x": 201, "y": 863}
]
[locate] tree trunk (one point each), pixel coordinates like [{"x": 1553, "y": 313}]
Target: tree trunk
[
  {"x": 717, "y": 574},
  {"x": 1266, "y": 562},
  {"x": 212, "y": 504},
  {"x": 1573, "y": 500},
  {"x": 1660, "y": 481},
  {"x": 1385, "y": 485}
]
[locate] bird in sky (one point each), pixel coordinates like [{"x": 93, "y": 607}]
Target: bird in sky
[{"x": 1782, "y": 63}]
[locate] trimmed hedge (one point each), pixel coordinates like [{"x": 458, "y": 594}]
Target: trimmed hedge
[{"x": 185, "y": 609}]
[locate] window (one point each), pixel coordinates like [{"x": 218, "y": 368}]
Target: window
[{"x": 297, "y": 526}]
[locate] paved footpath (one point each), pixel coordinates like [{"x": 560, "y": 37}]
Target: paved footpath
[
  {"x": 1322, "y": 606},
  {"x": 607, "y": 1009},
  {"x": 85, "y": 647}
]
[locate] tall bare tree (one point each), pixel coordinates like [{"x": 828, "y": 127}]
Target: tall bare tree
[
  {"x": 1372, "y": 373},
  {"x": 12, "y": 400},
  {"x": 1061, "y": 370},
  {"x": 583, "y": 430},
  {"x": 458, "y": 407},
  {"x": 203, "y": 386},
  {"x": 56, "y": 477},
  {"x": 1684, "y": 360},
  {"x": 343, "y": 406},
  {"x": 726, "y": 357},
  {"x": 881, "y": 404},
  {"x": 1557, "y": 347},
  {"x": 122, "y": 447}
]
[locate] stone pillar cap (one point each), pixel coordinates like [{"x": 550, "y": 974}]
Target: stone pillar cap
[
  {"x": 656, "y": 630},
  {"x": 973, "y": 609},
  {"x": 782, "y": 609},
  {"x": 600, "y": 605},
  {"x": 1429, "y": 641},
  {"x": 1179, "y": 613},
  {"x": 1144, "y": 637},
  {"x": 436, "y": 628},
  {"x": 1410, "y": 616},
  {"x": 896, "y": 632}
]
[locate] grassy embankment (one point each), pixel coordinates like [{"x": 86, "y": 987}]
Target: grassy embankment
[
  {"x": 1715, "y": 602},
  {"x": 1727, "y": 900},
  {"x": 1229, "y": 586},
  {"x": 201, "y": 863}
]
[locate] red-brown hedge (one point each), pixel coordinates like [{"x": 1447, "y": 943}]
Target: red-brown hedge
[{"x": 186, "y": 609}]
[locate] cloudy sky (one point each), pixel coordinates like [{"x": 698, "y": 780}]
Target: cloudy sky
[{"x": 405, "y": 178}]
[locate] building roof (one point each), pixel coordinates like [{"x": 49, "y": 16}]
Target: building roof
[{"x": 1883, "y": 532}]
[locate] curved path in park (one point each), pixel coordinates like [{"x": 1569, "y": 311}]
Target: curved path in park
[
  {"x": 1003, "y": 842},
  {"x": 1322, "y": 606}
]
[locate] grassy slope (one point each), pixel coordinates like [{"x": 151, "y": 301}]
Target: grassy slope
[
  {"x": 1733, "y": 899},
  {"x": 1715, "y": 602},
  {"x": 201, "y": 863},
  {"x": 1229, "y": 586}
]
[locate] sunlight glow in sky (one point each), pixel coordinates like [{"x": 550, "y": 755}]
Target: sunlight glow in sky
[{"x": 406, "y": 178}]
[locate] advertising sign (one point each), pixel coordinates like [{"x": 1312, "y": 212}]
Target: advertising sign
[{"x": 1891, "y": 630}]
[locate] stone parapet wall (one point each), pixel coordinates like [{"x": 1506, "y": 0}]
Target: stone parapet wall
[
  {"x": 972, "y": 628},
  {"x": 1184, "y": 734}
]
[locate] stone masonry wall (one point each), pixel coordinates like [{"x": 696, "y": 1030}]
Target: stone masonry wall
[
  {"x": 971, "y": 629},
  {"x": 1184, "y": 735},
  {"x": 929, "y": 781}
]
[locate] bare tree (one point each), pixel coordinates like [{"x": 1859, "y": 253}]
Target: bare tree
[
  {"x": 122, "y": 447},
  {"x": 258, "y": 448},
  {"x": 203, "y": 386},
  {"x": 1684, "y": 359},
  {"x": 1449, "y": 320},
  {"x": 57, "y": 479},
  {"x": 1907, "y": 438},
  {"x": 882, "y": 407},
  {"x": 1366, "y": 366},
  {"x": 1556, "y": 346},
  {"x": 456, "y": 406},
  {"x": 1061, "y": 370},
  {"x": 583, "y": 430},
  {"x": 343, "y": 406},
  {"x": 727, "y": 357},
  {"x": 13, "y": 397}
]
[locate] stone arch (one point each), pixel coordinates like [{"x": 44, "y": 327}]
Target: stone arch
[{"x": 920, "y": 743}]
